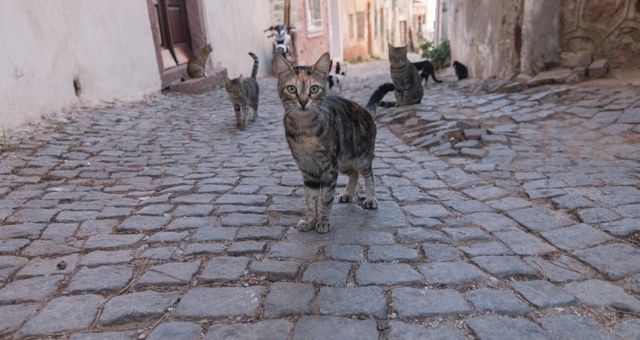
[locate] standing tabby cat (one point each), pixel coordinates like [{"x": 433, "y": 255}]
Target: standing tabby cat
[
  {"x": 326, "y": 134},
  {"x": 407, "y": 82},
  {"x": 196, "y": 66},
  {"x": 244, "y": 93}
]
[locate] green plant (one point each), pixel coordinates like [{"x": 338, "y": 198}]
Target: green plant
[
  {"x": 439, "y": 55},
  {"x": 6, "y": 142}
]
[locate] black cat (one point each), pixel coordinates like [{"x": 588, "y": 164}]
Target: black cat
[
  {"x": 336, "y": 79},
  {"x": 461, "y": 70},
  {"x": 426, "y": 68}
]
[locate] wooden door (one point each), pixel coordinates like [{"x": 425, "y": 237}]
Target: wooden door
[{"x": 173, "y": 29}]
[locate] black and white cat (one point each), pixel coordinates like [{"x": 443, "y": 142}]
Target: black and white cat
[
  {"x": 461, "y": 70},
  {"x": 336, "y": 79}
]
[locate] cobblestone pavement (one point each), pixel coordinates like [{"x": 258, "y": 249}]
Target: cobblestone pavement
[{"x": 160, "y": 220}]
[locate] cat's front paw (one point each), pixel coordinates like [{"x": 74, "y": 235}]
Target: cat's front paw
[
  {"x": 323, "y": 226},
  {"x": 370, "y": 203},
  {"x": 303, "y": 225},
  {"x": 344, "y": 198}
]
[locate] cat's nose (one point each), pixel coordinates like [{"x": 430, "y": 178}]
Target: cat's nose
[{"x": 303, "y": 104}]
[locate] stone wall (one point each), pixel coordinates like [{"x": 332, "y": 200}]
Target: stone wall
[{"x": 607, "y": 28}]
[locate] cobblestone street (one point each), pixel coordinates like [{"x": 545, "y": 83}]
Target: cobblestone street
[{"x": 517, "y": 216}]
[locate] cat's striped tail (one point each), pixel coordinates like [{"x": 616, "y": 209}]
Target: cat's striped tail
[
  {"x": 254, "y": 72},
  {"x": 377, "y": 96}
]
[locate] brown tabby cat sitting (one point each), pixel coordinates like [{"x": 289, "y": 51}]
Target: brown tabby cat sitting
[
  {"x": 326, "y": 135},
  {"x": 196, "y": 66}
]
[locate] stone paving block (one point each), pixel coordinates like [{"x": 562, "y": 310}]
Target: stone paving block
[
  {"x": 505, "y": 266},
  {"x": 176, "y": 330},
  {"x": 100, "y": 279},
  {"x": 49, "y": 266},
  {"x": 293, "y": 250},
  {"x": 204, "y": 248},
  {"x": 59, "y": 231},
  {"x": 170, "y": 274},
  {"x": 467, "y": 234},
  {"x": 264, "y": 330},
  {"x": 601, "y": 294},
  {"x": 486, "y": 248},
  {"x": 123, "y": 335},
  {"x": 543, "y": 294},
  {"x": 502, "y": 327},
  {"x": 194, "y": 199},
  {"x": 224, "y": 268},
  {"x": 597, "y": 215},
  {"x": 193, "y": 210},
  {"x": 614, "y": 260},
  {"x": 315, "y": 328},
  {"x": 572, "y": 202},
  {"x": 419, "y": 235},
  {"x": 387, "y": 274},
  {"x": 524, "y": 243},
  {"x": 628, "y": 329},
  {"x": 143, "y": 223},
  {"x": 159, "y": 253},
  {"x": 555, "y": 272},
  {"x": 136, "y": 307},
  {"x": 167, "y": 237},
  {"x": 427, "y": 210},
  {"x": 238, "y": 219},
  {"x": 467, "y": 206},
  {"x": 575, "y": 237},
  {"x": 623, "y": 227},
  {"x": 12, "y": 316},
  {"x": 367, "y": 301},
  {"x": 497, "y": 301},
  {"x": 422, "y": 303},
  {"x": 214, "y": 234},
  {"x": 10, "y": 265},
  {"x": 492, "y": 222},
  {"x": 288, "y": 298},
  {"x": 190, "y": 222},
  {"x": 330, "y": 273},
  {"x": 33, "y": 215},
  {"x": 451, "y": 273},
  {"x": 389, "y": 253},
  {"x": 63, "y": 314},
  {"x": 21, "y": 230},
  {"x": 260, "y": 233},
  {"x": 51, "y": 248},
  {"x": 12, "y": 246},
  {"x": 339, "y": 252},
  {"x": 539, "y": 218},
  {"x": 247, "y": 247},
  {"x": 275, "y": 270},
  {"x": 402, "y": 330},
  {"x": 231, "y": 302},
  {"x": 485, "y": 193},
  {"x": 574, "y": 327},
  {"x": 33, "y": 289},
  {"x": 112, "y": 241},
  {"x": 441, "y": 252}
]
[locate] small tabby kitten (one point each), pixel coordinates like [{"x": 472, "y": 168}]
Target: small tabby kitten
[
  {"x": 461, "y": 70},
  {"x": 326, "y": 135},
  {"x": 244, "y": 93},
  {"x": 407, "y": 82},
  {"x": 197, "y": 64},
  {"x": 426, "y": 69}
]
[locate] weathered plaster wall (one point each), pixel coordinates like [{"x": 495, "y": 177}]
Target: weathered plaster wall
[
  {"x": 485, "y": 36},
  {"x": 608, "y": 28},
  {"x": 234, "y": 30},
  {"x": 311, "y": 45},
  {"x": 106, "y": 46},
  {"x": 541, "y": 27}
]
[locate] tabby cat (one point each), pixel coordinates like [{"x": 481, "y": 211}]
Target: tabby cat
[
  {"x": 244, "y": 93},
  {"x": 326, "y": 135},
  {"x": 461, "y": 70},
  {"x": 407, "y": 82},
  {"x": 197, "y": 64},
  {"x": 426, "y": 69}
]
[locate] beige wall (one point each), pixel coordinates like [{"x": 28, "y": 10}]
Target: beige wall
[
  {"x": 311, "y": 45},
  {"x": 106, "y": 45},
  {"x": 234, "y": 29}
]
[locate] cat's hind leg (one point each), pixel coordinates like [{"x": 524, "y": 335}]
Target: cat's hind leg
[
  {"x": 370, "y": 201},
  {"x": 350, "y": 191}
]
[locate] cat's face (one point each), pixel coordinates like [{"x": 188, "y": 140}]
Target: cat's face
[
  {"x": 301, "y": 88},
  {"x": 234, "y": 88},
  {"x": 397, "y": 54}
]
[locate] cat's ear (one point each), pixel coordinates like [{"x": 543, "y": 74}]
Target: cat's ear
[
  {"x": 280, "y": 66},
  {"x": 323, "y": 65}
]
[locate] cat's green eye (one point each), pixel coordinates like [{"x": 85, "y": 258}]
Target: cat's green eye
[
  {"x": 291, "y": 89},
  {"x": 314, "y": 89}
]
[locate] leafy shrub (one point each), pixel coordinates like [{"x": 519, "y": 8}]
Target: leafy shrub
[{"x": 439, "y": 55}]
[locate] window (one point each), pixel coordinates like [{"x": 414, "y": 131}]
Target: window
[
  {"x": 314, "y": 16},
  {"x": 360, "y": 25},
  {"x": 351, "y": 27}
]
